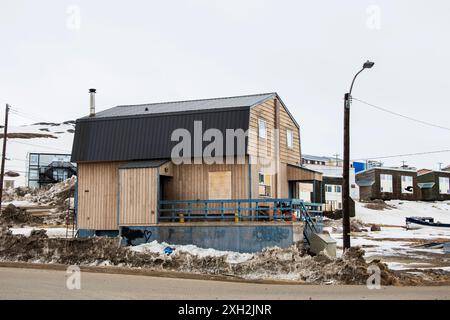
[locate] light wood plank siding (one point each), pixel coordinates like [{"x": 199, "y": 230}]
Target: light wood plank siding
[
  {"x": 265, "y": 147},
  {"x": 299, "y": 174},
  {"x": 190, "y": 181},
  {"x": 288, "y": 155},
  {"x": 98, "y": 195},
  {"x": 138, "y": 196}
]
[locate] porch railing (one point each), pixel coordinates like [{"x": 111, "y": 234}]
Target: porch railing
[{"x": 236, "y": 210}]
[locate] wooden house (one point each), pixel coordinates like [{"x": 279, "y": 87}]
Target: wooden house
[
  {"x": 388, "y": 184},
  {"x": 128, "y": 173},
  {"x": 434, "y": 185}
]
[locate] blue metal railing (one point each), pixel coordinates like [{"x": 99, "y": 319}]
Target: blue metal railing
[
  {"x": 237, "y": 210},
  {"x": 313, "y": 222}
]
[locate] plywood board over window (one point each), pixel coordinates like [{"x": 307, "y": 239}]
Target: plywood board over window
[{"x": 219, "y": 185}]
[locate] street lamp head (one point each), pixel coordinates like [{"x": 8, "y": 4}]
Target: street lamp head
[{"x": 368, "y": 64}]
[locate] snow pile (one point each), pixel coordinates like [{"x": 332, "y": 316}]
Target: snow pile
[
  {"x": 56, "y": 195},
  {"x": 400, "y": 209},
  {"x": 156, "y": 247}
]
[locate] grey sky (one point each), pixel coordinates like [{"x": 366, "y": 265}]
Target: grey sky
[{"x": 307, "y": 51}]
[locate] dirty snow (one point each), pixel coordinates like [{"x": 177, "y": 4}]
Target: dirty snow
[
  {"x": 51, "y": 232},
  {"x": 156, "y": 247}
]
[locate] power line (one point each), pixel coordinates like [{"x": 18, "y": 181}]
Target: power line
[
  {"x": 401, "y": 115},
  {"x": 403, "y": 155}
]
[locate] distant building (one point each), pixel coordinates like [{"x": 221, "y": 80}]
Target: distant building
[
  {"x": 434, "y": 185},
  {"x": 447, "y": 168},
  {"x": 46, "y": 168},
  {"x": 321, "y": 160},
  {"x": 388, "y": 184},
  {"x": 366, "y": 165}
]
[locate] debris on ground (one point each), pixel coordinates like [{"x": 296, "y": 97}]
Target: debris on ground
[
  {"x": 377, "y": 205},
  {"x": 39, "y": 233},
  {"x": 375, "y": 227},
  {"x": 13, "y": 215},
  {"x": 356, "y": 225},
  {"x": 48, "y": 204}
]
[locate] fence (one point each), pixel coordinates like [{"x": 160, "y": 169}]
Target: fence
[{"x": 236, "y": 210}]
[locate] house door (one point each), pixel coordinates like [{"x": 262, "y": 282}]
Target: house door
[{"x": 138, "y": 196}]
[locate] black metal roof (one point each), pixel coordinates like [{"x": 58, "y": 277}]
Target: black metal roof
[
  {"x": 148, "y": 137},
  {"x": 143, "y": 132},
  {"x": 183, "y": 106}
]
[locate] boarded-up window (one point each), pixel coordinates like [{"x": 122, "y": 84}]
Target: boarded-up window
[
  {"x": 407, "y": 184},
  {"x": 385, "y": 182},
  {"x": 444, "y": 185},
  {"x": 219, "y": 185}
]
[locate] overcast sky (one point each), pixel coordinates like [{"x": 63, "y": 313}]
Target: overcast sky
[{"x": 134, "y": 52}]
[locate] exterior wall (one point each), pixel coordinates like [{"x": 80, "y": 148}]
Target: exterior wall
[
  {"x": 371, "y": 193},
  {"x": 138, "y": 196},
  {"x": 229, "y": 237},
  {"x": 98, "y": 195},
  {"x": 433, "y": 193},
  {"x": 334, "y": 196},
  {"x": 265, "y": 147},
  {"x": 190, "y": 181}
]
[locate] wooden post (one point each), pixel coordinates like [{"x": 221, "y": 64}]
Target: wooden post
[{"x": 2, "y": 173}]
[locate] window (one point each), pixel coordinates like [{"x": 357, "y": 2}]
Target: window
[
  {"x": 385, "y": 182},
  {"x": 34, "y": 159},
  {"x": 328, "y": 188},
  {"x": 337, "y": 189},
  {"x": 264, "y": 184},
  {"x": 407, "y": 184},
  {"x": 262, "y": 128},
  {"x": 289, "y": 138},
  {"x": 444, "y": 185}
]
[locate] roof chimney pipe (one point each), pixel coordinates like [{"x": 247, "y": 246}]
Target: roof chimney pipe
[{"x": 92, "y": 104}]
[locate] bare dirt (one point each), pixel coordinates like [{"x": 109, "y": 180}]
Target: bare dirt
[
  {"x": 378, "y": 205},
  {"x": 28, "y": 135}
]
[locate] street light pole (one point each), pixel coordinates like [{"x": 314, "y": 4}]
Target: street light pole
[{"x": 346, "y": 164}]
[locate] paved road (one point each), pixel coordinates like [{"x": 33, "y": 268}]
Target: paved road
[{"x": 19, "y": 283}]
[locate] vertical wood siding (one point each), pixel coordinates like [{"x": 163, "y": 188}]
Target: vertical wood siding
[
  {"x": 98, "y": 195},
  {"x": 138, "y": 196}
]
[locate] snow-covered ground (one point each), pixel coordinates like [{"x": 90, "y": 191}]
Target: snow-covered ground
[
  {"x": 398, "y": 247},
  {"x": 17, "y": 149},
  {"x": 156, "y": 247},
  {"x": 439, "y": 210}
]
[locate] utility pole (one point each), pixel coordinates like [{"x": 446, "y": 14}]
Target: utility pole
[
  {"x": 346, "y": 168},
  {"x": 336, "y": 155},
  {"x": 5, "y": 134}
]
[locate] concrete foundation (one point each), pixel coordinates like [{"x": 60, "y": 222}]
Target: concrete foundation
[{"x": 242, "y": 237}]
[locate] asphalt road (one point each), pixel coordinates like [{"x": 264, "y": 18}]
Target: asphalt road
[{"x": 21, "y": 283}]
